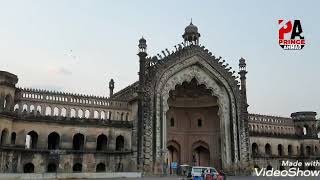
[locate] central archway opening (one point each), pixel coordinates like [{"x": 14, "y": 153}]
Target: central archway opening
[{"x": 194, "y": 124}]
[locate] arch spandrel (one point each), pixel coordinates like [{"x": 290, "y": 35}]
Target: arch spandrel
[{"x": 198, "y": 68}]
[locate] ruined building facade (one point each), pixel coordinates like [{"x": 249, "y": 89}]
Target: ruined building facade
[{"x": 187, "y": 107}]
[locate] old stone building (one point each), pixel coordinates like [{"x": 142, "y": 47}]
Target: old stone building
[
  {"x": 187, "y": 107},
  {"x": 276, "y": 139}
]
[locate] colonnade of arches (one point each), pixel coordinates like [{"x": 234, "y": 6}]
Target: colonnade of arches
[
  {"x": 284, "y": 150},
  {"x": 271, "y": 129},
  {"x": 53, "y": 167},
  {"x": 5, "y": 137},
  {"x": 45, "y": 110},
  {"x": 54, "y": 141}
]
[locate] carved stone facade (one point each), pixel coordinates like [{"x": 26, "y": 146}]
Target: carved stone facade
[
  {"x": 187, "y": 107},
  {"x": 163, "y": 75}
]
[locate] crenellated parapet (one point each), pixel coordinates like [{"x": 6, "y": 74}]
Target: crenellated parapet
[
  {"x": 300, "y": 125},
  {"x": 38, "y": 95},
  {"x": 127, "y": 94},
  {"x": 53, "y": 103},
  {"x": 267, "y": 119},
  {"x": 270, "y": 125}
]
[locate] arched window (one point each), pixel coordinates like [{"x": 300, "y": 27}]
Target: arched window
[
  {"x": 16, "y": 108},
  {"x": 199, "y": 123},
  {"x": 109, "y": 115},
  {"x": 73, "y": 113},
  {"x": 38, "y": 110},
  {"x": 172, "y": 122},
  {"x": 28, "y": 168},
  {"x": 305, "y": 130},
  {"x": 32, "y": 108},
  {"x": 63, "y": 112},
  {"x": 24, "y": 108},
  {"x": 87, "y": 114},
  {"x": 121, "y": 116},
  {"x": 77, "y": 167},
  {"x": 103, "y": 115},
  {"x": 80, "y": 113},
  {"x": 101, "y": 167},
  {"x": 119, "y": 143},
  {"x": 102, "y": 142},
  {"x": 280, "y": 150},
  {"x": 4, "y": 137},
  {"x": 308, "y": 151},
  {"x": 32, "y": 140},
  {"x": 13, "y": 138},
  {"x": 55, "y": 111},
  {"x": 53, "y": 140},
  {"x": 48, "y": 111},
  {"x": 117, "y": 116},
  {"x": 267, "y": 149},
  {"x": 289, "y": 150},
  {"x": 78, "y": 141},
  {"x": 7, "y": 102},
  {"x": 255, "y": 149},
  {"x": 52, "y": 167},
  {"x": 95, "y": 115}
]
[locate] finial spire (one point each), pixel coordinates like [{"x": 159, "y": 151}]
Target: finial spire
[
  {"x": 191, "y": 34},
  {"x": 111, "y": 87},
  {"x": 142, "y": 44}
]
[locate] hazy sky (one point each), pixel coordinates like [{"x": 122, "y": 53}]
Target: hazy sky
[{"x": 77, "y": 46}]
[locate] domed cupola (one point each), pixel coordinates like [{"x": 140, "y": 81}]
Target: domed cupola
[
  {"x": 191, "y": 34},
  {"x": 142, "y": 45}
]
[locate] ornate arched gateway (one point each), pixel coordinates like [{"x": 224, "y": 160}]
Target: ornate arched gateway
[{"x": 191, "y": 98}]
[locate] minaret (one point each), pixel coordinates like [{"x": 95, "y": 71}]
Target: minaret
[
  {"x": 111, "y": 87},
  {"x": 142, "y": 59},
  {"x": 244, "y": 117},
  {"x": 140, "y": 125},
  {"x": 242, "y": 73}
]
